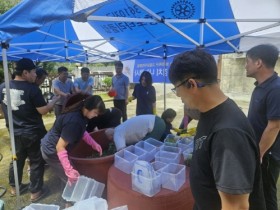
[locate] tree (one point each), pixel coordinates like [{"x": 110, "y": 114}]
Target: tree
[{"x": 6, "y": 5}]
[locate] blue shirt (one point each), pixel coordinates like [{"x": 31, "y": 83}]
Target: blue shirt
[
  {"x": 264, "y": 106},
  {"x": 120, "y": 84},
  {"x": 64, "y": 87},
  {"x": 82, "y": 85}
]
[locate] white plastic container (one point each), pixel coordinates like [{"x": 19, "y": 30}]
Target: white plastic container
[
  {"x": 93, "y": 203},
  {"x": 124, "y": 160},
  {"x": 149, "y": 148},
  {"x": 84, "y": 188},
  {"x": 120, "y": 208},
  {"x": 167, "y": 157},
  {"x": 38, "y": 206},
  {"x": 173, "y": 176},
  {"x": 144, "y": 178}
]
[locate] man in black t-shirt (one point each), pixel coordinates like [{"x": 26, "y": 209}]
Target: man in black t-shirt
[
  {"x": 264, "y": 115},
  {"x": 28, "y": 106},
  {"x": 225, "y": 169}
]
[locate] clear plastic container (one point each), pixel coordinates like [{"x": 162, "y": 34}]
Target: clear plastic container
[
  {"x": 38, "y": 206},
  {"x": 137, "y": 151},
  {"x": 185, "y": 143},
  {"x": 93, "y": 203},
  {"x": 173, "y": 176},
  {"x": 120, "y": 208},
  {"x": 149, "y": 148},
  {"x": 148, "y": 186},
  {"x": 167, "y": 157},
  {"x": 171, "y": 140},
  {"x": 166, "y": 148},
  {"x": 124, "y": 160},
  {"x": 84, "y": 188},
  {"x": 158, "y": 166},
  {"x": 154, "y": 142}
]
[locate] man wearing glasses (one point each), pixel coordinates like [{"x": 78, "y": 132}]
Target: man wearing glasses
[{"x": 225, "y": 170}]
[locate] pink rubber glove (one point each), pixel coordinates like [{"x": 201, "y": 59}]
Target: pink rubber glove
[
  {"x": 70, "y": 172},
  {"x": 90, "y": 141}
]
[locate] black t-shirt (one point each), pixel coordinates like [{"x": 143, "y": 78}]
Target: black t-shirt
[
  {"x": 225, "y": 158},
  {"x": 25, "y": 98},
  {"x": 69, "y": 126},
  {"x": 264, "y": 106},
  {"x": 111, "y": 118},
  {"x": 146, "y": 96}
]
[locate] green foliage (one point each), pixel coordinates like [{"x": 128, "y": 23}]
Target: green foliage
[
  {"x": 107, "y": 81},
  {"x": 6, "y": 5}
]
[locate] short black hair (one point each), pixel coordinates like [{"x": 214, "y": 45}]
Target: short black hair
[
  {"x": 40, "y": 72},
  {"x": 168, "y": 113},
  {"x": 266, "y": 52},
  {"x": 197, "y": 64},
  {"x": 62, "y": 69},
  {"x": 148, "y": 77},
  {"x": 118, "y": 64},
  {"x": 85, "y": 70}
]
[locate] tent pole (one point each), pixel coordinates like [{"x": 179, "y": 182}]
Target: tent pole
[
  {"x": 10, "y": 119},
  {"x": 165, "y": 75}
]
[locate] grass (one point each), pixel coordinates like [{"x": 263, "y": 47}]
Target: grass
[{"x": 53, "y": 184}]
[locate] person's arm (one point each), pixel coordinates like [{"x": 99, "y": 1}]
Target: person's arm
[
  {"x": 91, "y": 142},
  {"x": 59, "y": 92},
  {"x": 269, "y": 136},
  {"x": 119, "y": 139},
  {"x": 90, "y": 85},
  {"x": 234, "y": 202},
  {"x": 45, "y": 109},
  {"x": 62, "y": 154},
  {"x": 127, "y": 93},
  {"x": 153, "y": 97}
]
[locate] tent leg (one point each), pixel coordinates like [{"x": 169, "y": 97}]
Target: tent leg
[{"x": 10, "y": 118}]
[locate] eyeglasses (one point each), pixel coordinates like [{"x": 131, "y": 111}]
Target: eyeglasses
[
  {"x": 199, "y": 84},
  {"x": 182, "y": 83}
]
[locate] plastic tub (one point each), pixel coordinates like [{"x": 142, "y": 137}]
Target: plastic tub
[
  {"x": 38, "y": 206},
  {"x": 124, "y": 160},
  {"x": 139, "y": 152},
  {"x": 149, "y": 148},
  {"x": 167, "y": 157},
  {"x": 173, "y": 176},
  {"x": 83, "y": 189}
]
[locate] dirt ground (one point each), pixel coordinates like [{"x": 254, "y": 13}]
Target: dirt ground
[{"x": 53, "y": 184}]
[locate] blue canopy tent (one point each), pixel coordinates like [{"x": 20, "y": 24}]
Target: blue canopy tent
[
  {"x": 27, "y": 17},
  {"x": 48, "y": 30}
]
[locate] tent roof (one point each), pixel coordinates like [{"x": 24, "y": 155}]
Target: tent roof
[{"x": 133, "y": 29}]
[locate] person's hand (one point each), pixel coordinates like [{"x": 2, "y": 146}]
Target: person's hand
[
  {"x": 72, "y": 175},
  {"x": 69, "y": 171},
  {"x": 130, "y": 98},
  {"x": 178, "y": 130},
  {"x": 154, "y": 110},
  {"x": 90, "y": 141},
  {"x": 95, "y": 146}
]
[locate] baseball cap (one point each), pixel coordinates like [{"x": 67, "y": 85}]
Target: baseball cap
[{"x": 25, "y": 64}]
